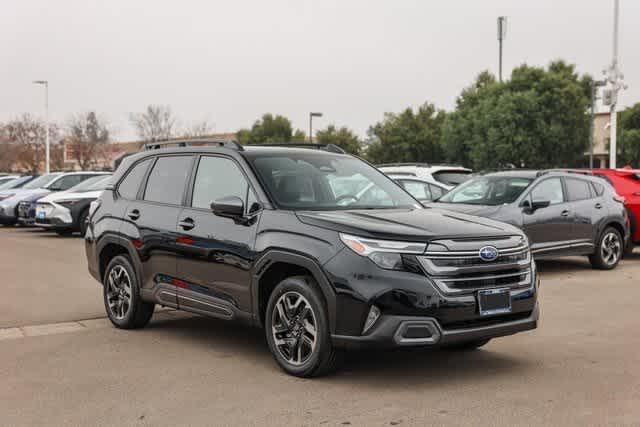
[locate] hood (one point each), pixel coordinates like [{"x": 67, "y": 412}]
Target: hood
[
  {"x": 54, "y": 197},
  {"x": 487, "y": 211},
  {"x": 408, "y": 224}
]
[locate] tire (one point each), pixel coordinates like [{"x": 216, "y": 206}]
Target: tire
[
  {"x": 468, "y": 346},
  {"x": 609, "y": 250},
  {"x": 137, "y": 313},
  {"x": 295, "y": 309},
  {"x": 82, "y": 222}
]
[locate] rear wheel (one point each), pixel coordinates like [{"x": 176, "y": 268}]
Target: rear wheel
[
  {"x": 121, "y": 291},
  {"x": 297, "y": 328},
  {"x": 608, "y": 250}
]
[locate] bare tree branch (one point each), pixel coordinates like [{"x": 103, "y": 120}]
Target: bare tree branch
[
  {"x": 28, "y": 135},
  {"x": 87, "y": 135},
  {"x": 156, "y": 123}
]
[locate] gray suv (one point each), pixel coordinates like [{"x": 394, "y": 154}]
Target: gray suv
[{"x": 561, "y": 213}]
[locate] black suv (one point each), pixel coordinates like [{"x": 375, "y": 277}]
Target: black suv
[
  {"x": 317, "y": 247},
  {"x": 562, "y": 213}
]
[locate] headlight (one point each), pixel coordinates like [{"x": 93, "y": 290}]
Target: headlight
[
  {"x": 385, "y": 254},
  {"x": 66, "y": 203}
]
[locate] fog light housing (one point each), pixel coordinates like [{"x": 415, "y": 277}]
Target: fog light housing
[{"x": 372, "y": 317}]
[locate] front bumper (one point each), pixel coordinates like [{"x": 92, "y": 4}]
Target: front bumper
[
  {"x": 7, "y": 216},
  {"x": 53, "y": 217},
  {"x": 393, "y": 331}
]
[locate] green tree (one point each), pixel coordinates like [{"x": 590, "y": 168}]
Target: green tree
[
  {"x": 629, "y": 136},
  {"x": 342, "y": 137},
  {"x": 270, "y": 129},
  {"x": 537, "y": 119},
  {"x": 409, "y": 136}
]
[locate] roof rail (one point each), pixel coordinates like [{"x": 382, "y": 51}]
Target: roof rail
[
  {"x": 561, "y": 170},
  {"x": 384, "y": 165},
  {"x": 325, "y": 147},
  {"x": 225, "y": 143}
]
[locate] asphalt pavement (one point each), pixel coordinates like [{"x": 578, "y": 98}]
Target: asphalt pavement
[{"x": 61, "y": 363}]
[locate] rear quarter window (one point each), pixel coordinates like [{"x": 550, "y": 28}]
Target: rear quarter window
[{"x": 130, "y": 185}]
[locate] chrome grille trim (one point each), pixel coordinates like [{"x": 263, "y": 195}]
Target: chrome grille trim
[{"x": 464, "y": 272}]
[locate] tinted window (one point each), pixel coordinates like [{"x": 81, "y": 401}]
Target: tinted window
[
  {"x": 549, "y": 190},
  {"x": 217, "y": 177},
  {"x": 131, "y": 184},
  {"x": 66, "y": 182},
  {"x": 578, "y": 189},
  {"x": 41, "y": 182},
  {"x": 167, "y": 180},
  {"x": 417, "y": 189},
  {"x": 488, "y": 190},
  {"x": 436, "y": 192}
]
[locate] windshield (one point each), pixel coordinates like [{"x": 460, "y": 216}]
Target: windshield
[
  {"x": 41, "y": 181},
  {"x": 452, "y": 177},
  {"x": 16, "y": 183},
  {"x": 487, "y": 190},
  {"x": 97, "y": 183},
  {"x": 320, "y": 181}
]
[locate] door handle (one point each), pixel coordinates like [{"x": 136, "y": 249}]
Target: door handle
[
  {"x": 187, "y": 223},
  {"x": 134, "y": 214},
  {"x": 598, "y": 205},
  {"x": 565, "y": 213}
]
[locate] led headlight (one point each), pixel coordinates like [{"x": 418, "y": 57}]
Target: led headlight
[
  {"x": 385, "y": 254},
  {"x": 67, "y": 203}
]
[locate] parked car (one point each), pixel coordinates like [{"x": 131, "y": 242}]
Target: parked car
[
  {"x": 420, "y": 188},
  {"x": 626, "y": 182},
  {"x": 19, "y": 205},
  {"x": 7, "y": 178},
  {"x": 257, "y": 234},
  {"x": 16, "y": 183},
  {"x": 443, "y": 176},
  {"x": 562, "y": 213},
  {"x": 66, "y": 212}
]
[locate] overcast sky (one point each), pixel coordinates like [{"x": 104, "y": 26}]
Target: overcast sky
[{"x": 231, "y": 61}]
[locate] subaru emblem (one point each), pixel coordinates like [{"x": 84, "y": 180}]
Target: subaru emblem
[{"x": 488, "y": 253}]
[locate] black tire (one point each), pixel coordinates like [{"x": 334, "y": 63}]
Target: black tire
[
  {"x": 602, "y": 258},
  {"x": 137, "y": 312},
  {"x": 468, "y": 346},
  {"x": 82, "y": 222},
  {"x": 317, "y": 359}
]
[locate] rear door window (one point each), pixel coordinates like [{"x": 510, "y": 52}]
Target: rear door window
[
  {"x": 167, "y": 180},
  {"x": 578, "y": 189},
  {"x": 129, "y": 186}
]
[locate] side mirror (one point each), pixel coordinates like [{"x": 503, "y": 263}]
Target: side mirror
[
  {"x": 230, "y": 207},
  {"x": 532, "y": 207}
]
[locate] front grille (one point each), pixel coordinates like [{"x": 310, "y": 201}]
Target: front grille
[
  {"x": 457, "y": 268},
  {"x": 24, "y": 210}
]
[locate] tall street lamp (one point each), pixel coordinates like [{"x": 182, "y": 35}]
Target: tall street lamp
[
  {"x": 594, "y": 88},
  {"x": 45, "y": 83},
  {"x": 502, "y": 34},
  {"x": 311, "y": 116}
]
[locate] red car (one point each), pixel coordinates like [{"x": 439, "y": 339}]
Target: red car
[{"x": 626, "y": 182}]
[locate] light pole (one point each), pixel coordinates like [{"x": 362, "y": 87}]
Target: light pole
[
  {"x": 615, "y": 78},
  {"x": 502, "y": 34},
  {"x": 45, "y": 83},
  {"x": 594, "y": 87},
  {"x": 311, "y": 116}
]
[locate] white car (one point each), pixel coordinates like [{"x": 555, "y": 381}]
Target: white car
[
  {"x": 419, "y": 188},
  {"x": 66, "y": 212},
  {"x": 444, "y": 176}
]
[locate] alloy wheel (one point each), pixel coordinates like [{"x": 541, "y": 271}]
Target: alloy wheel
[
  {"x": 119, "y": 292},
  {"x": 611, "y": 248},
  {"x": 294, "y": 328}
]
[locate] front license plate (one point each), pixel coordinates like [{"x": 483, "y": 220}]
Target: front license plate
[
  {"x": 41, "y": 215},
  {"x": 494, "y": 301}
]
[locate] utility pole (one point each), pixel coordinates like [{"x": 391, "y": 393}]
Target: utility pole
[
  {"x": 615, "y": 78},
  {"x": 502, "y": 34},
  {"x": 45, "y": 83},
  {"x": 311, "y": 116},
  {"x": 594, "y": 88}
]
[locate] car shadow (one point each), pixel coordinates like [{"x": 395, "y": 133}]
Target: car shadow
[
  {"x": 563, "y": 265},
  {"x": 373, "y": 368}
]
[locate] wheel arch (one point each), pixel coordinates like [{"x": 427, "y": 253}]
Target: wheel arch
[
  {"x": 111, "y": 246},
  {"x": 276, "y": 265}
]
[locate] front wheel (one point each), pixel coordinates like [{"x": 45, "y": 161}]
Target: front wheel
[
  {"x": 297, "y": 328},
  {"x": 608, "y": 250}
]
